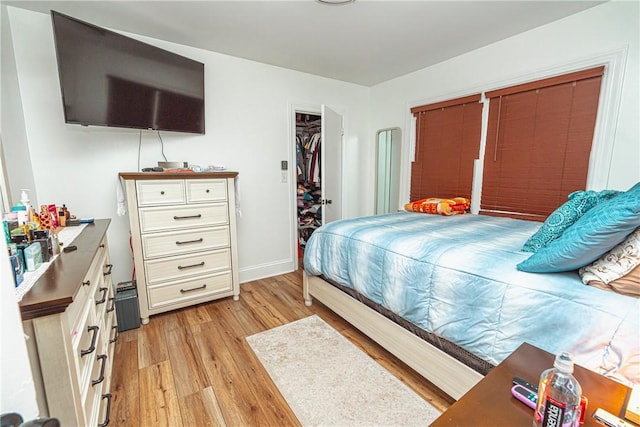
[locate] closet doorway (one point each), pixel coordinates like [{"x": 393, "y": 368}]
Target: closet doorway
[
  {"x": 318, "y": 173},
  {"x": 309, "y": 185}
]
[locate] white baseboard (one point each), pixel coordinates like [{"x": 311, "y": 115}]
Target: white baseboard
[{"x": 248, "y": 274}]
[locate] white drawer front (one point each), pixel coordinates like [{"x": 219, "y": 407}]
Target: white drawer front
[
  {"x": 97, "y": 361},
  {"x": 187, "y": 216},
  {"x": 189, "y": 290},
  {"x": 181, "y": 267},
  {"x": 85, "y": 345},
  {"x": 206, "y": 190},
  {"x": 75, "y": 309},
  {"x": 161, "y": 192},
  {"x": 101, "y": 301},
  {"x": 183, "y": 242},
  {"x": 94, "y": 392},
  {"x": 90, "y": 283}
]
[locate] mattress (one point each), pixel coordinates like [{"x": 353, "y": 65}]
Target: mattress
[{"x": 456, "y": 277}]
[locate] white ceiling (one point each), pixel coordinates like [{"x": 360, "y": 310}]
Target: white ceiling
[{"x": 366, "y": 42}]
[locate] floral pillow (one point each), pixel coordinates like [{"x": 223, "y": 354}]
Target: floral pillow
[
  {"x": 618, "y": 269},
  {"x": 566, "y": 215}
]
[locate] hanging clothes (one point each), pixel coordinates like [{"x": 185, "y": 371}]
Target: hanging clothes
[{"x": 308, "y": 146}]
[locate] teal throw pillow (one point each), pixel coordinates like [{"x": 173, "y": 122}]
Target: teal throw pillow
[
  {"x": 566, "y": 215},
  {"x": 601, "y": 228}
]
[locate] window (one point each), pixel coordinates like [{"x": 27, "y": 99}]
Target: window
[
  {"x": 538, "y": 144},
  {"x": 447, "y": 143}
]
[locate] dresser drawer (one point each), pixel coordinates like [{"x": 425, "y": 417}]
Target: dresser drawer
[
  {"x": 93, "y": 406},
  {"x": 188, "y": 290},
  {"x": 105, "y": 310},
  {"x": 183, "y": 242},
  {"x": 187, "y": 216},
  {"x": 181, "y": 267},
  {"x": 206, "y": 190},
  {"x": 86, "y": 290},
  {"x": 85, "y": 345},
  {"x": 94, "y": 389},
  {"x": 101, "y": 301},
  {"x": 99, "y": 370},
  {"x": 76, "y": 308},
  {"x": 105, "y": 407},
  {"x": 161, "y": 192}
]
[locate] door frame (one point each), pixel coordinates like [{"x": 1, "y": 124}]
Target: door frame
[{"x": 292, "y": 176}]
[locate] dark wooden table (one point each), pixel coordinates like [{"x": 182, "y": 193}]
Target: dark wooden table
[{"x": 490, "y": 403}]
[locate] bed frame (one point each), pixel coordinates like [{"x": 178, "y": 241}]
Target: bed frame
[{"x": 448, "y": 374}]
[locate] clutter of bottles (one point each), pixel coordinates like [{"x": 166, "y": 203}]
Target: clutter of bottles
[{"x": 31, "y": 234}]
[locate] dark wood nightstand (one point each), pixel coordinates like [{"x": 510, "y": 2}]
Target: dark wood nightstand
[{"x": 490, "y": 403}]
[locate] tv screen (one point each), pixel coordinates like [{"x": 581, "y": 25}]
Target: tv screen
[{"x": 108, "y": 79}]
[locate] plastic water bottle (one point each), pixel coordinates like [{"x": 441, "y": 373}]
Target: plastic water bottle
[{"x": 559, "y": 396}]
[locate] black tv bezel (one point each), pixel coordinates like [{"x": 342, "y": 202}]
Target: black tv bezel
[{"x": 134, "y": 42}]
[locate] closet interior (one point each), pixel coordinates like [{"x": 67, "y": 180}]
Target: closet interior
[{"x": 309, "y": 192}]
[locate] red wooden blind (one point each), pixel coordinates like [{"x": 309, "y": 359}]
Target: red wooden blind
[
  {"x": 447, "y": 143},
  {"x": 538, "y": 144}
]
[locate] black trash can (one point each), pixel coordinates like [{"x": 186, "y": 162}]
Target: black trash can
[{"x": 127, "y": 309}]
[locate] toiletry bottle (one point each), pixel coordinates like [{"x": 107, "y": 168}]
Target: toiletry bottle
[
  {"x": 62, "y": 218},
  {"x": 55, "y": 244},
  {"x": 558, "y": 396},
  {"x": 24, "y": 198}
]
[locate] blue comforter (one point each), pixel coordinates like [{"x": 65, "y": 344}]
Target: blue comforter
[{"x": 456, "y": 277}]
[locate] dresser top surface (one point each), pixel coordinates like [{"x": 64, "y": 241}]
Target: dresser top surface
[
  {"x": 177, "y": 175},
  {"x": 58, "y": 285}
]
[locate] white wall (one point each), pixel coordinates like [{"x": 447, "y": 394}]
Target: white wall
[
  {"x": 609, "y": 29},
  {"x": 247, "y": 130},
  {"x": 17, "y": 391}
]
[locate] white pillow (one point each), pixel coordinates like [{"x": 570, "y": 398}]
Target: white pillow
[{"x": 616, "y": 263}]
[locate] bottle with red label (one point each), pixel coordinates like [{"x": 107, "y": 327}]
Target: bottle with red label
[{"x": 559, "y": 396}]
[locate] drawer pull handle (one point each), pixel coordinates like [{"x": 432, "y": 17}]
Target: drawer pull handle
[
  {"x": 94, "y": 338},
  {"x": 104, "y": 296},
  {"x": 87, "y": 283},
  {"x": 113, "y": 305},
  {"x": 184, "y": 291},
  {"x": 176, "y": 217},
  {"x": 109, "y": 267},
  {"x": 102, "y": 357},
  {"x": 108, "y": 411},
  {"x": 200, "y": 240},
  {"x": 184, "y": 267},
  {"x": 207, "y": 191},
  {"x": 101, "y": 246},
  {"x": 115, "y": 336},
  {"x": 162, "y": 193}
]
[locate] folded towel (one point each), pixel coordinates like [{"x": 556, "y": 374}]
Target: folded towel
[{"x": 121, "y": 207}]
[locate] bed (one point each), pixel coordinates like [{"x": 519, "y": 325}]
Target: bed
[{"x": 444, "y": 295}]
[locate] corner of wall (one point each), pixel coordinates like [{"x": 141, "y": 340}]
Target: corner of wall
[{"x": 15, "y": 145}]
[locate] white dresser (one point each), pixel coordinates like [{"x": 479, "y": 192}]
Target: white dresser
[
  {"x": 183, "y": 229},
  {"x": 69, "y": 316}
]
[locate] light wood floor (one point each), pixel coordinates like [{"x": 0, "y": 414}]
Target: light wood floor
[{"x": 193, "y": 367}]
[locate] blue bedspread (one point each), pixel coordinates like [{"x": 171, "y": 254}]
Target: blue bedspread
[{"x": 456, "y": 277}]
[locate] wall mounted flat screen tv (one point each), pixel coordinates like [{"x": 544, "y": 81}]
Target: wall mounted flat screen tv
[{"x": 108, "y": 79}]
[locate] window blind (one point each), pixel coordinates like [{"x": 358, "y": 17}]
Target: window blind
[
  {"x": 538, "y": 144},
  {"x": 447, "y": 143}
]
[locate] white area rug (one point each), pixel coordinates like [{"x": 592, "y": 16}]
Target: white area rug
[{"x": 327, "y": 381}]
